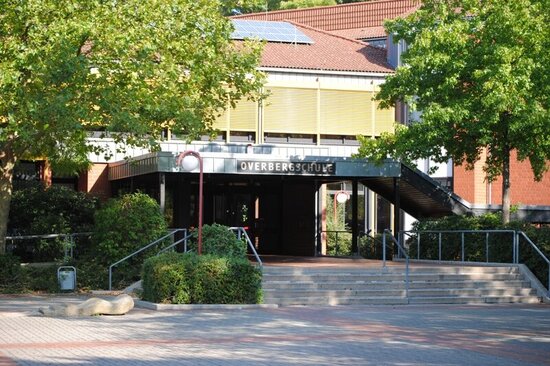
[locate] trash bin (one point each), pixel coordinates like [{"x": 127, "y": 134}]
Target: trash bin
[{"x": 66, "y": 277}]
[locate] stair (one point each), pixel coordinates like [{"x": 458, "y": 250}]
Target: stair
[{"x": 442, "y": 284}]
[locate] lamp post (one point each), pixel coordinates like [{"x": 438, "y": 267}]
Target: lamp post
[
  {"x": 339, "y": 197},
  {"x": 188, "y": 161}
]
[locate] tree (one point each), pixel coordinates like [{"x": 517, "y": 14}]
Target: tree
[
  {"x": 235, "y": 7},
  {"x": 299, "y": 4},
  {"x": 479, "y": 74},
  {"x": 128, "y": 68}
]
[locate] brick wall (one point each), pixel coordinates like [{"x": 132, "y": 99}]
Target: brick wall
[
  {"x": 471, "y": 186},
  {"x": 95, "y": 181}
]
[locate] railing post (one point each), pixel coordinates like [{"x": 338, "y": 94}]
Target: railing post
[
  {"x": 517, "y": 254},
  {"x": 384, "y": 249},
  {"x": 462, "y": 239},
  {"x": 110, "y": 277},
  {"x": 440, "y": 246},
  {"x": 418, "y": 245},
  {"x": 487, "y": 247},
  {"x": 407, "y": 277},
  {"x": 516, "y": 247},
  {"x": 185, "y": 240}
]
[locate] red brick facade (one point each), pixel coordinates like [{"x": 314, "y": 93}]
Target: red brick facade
[
  {"x": 472, "y": 186},
  {"x": 96, "y": 181}
]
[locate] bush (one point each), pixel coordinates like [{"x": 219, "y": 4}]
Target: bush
[
  {"x": 123, "y": 226},
  {"x": 11, "y": 274},
  {"x": 192, "y": 279},
  {"x": 55, "y": 210},
  {"x": 15, "y": 278},
  {"x": 499, "y": 244},
  {"x": 220, "y": 241},
  {"x": 41, "y": 278},
  {"x": 371, "y": 247}
]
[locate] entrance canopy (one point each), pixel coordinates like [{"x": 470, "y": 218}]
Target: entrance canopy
[{"x": 411, "y": 190}]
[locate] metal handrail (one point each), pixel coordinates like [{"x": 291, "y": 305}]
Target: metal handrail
[
  {"x": 410, "y": 233},
  {"x": 53, "y": 236},
  {"x": 239, "y": 232},
  {"x": 402, "y": 250},
  {"x": 173, "y": 232},
  {"x": 516, "y": 234},
  {"x": 539, "y": 252},
  {"x": 182, "y": 240},
  {"x": 367, "y": 234}
]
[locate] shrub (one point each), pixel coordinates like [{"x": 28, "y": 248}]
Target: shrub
[
  {"x": 338, "y": 236},
  {"x": 42, "y": 278},
  {"x": 123, "y": 226},
  {"x": 11, "y": 274},
  {"x": 219, "y": 240},
  {"x": 371, "y": 247},
  {"x": 192, "y": 279},
  {"x": 56, "y": 210},
  {"x": 15, "y": 278},
  {"x": 499, "y": 244}
]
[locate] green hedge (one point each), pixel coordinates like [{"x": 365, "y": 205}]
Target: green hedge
[
  {"x": 37, "y": 210},
  {"x": 192, "y": 279},
  {"x": 219, "y": 240},
  {"x": 122, "y": 226},
  {"x": 500, "y": 244},
  {"x": 15, "y": 278}
]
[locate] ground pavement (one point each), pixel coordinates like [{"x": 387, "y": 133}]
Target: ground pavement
[{"x": 346, "y": 335}]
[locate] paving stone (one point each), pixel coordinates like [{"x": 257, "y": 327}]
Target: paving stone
[{"x": 504, "y": 335}]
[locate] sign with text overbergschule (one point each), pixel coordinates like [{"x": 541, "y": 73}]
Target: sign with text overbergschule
[{"x": 286, "y": 167}]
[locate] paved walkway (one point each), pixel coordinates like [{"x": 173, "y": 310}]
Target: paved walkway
[{"x": 349, "y": 335}]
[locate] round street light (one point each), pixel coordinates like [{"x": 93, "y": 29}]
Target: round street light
[
  {"x": 340, "y": 197},
  {"x": 188, "y": 161}
]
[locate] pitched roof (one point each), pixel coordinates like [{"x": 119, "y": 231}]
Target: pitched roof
[
  {"x": 361, "y": 33},
  {"x": 359, "y": 17},
  {"x": 328, "y": 53}
]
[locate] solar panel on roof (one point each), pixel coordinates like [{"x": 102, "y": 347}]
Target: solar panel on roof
[{"x": 269, "y": 31}]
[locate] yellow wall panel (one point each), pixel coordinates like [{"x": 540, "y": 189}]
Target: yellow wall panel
[
  {"x": 385, "y": 119},
  {"x": 221, "y": 122},
  {"x": 244, "y": 117},
  {"x": 290, "y": 110},
  {"x": 346, "y": 112}
]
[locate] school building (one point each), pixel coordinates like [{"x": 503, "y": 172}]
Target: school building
[{"x": 276, "y": 165}]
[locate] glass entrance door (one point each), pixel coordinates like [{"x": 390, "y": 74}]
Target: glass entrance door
[{"x": 232, "y": 209}]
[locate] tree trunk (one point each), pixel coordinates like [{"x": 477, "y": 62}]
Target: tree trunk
[
  {"x": 506, "y": 188},
  {"x": 7, "y": 162}
]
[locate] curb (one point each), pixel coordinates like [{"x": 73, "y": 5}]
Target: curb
[{"x": 160, "y": 307}]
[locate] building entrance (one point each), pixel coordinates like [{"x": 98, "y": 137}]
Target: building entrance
[{"x": 279, "y": 214}]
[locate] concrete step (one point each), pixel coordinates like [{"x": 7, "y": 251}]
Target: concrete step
[
  {"x": 485, "y": 292},
  {"x": 427, "y": 285},
  {"x": 469, "y": 284},
  {"x": 304, "y": 286},
  {"x": 417, "y": 289},
  {"x": 392, "y": 270},
  {"x": 392, "y": 277},
  {"x": 473, "y": 299},
  {"x": 362, "y": 285},
  {"x": 388, "y": 292},
  {"x": 341, "y": 301}
]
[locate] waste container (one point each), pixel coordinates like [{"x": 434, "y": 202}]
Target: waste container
[{"x": 66, "y": 277}]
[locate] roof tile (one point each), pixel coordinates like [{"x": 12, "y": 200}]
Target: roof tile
[
  {"x": 346, "y": 16},
  {"x": 329, "y": 52}
]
